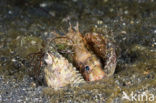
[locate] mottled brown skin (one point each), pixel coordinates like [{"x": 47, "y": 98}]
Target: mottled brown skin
[
  {"x": 84, "y": 58},
  {"x": 97, "y": 43},
  {"x": 89, "y": 50},
  {"x": 104, "y": 49}
]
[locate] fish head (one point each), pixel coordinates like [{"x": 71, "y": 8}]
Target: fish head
[{"x": 93, "y": 72}]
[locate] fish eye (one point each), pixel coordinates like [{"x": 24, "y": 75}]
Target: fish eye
[{"x": 87, "y": 68}]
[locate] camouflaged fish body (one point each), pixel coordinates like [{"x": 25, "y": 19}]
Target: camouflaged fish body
[
  {"x": 105, "y": 49},
  {"x": 59, "y": 72},
  {"x": 83, "y": 59}
]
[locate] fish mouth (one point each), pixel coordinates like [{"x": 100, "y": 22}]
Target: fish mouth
[{"x": 95, "y": 75}]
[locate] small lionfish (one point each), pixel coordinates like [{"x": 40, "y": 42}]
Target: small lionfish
[
  {"x": 88, "y": 50},
  {"x": 84, "y": 59}
]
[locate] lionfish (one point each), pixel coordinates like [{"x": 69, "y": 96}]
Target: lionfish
[
  {"x": 94, "y": 58},
  {"x": 84, "y": 59}
]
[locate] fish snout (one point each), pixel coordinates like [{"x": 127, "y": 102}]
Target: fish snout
[
  {"x": 97, "y": 75},
  {"x": 100, "y": 76}
]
